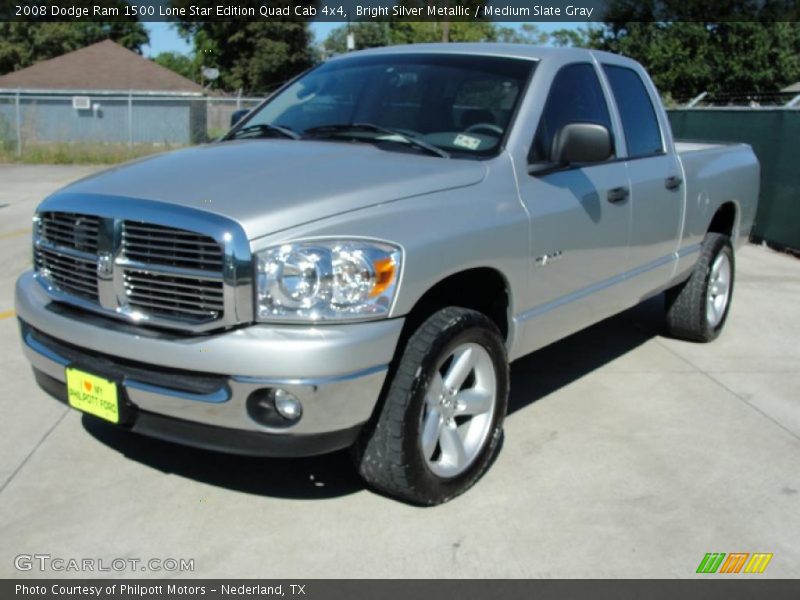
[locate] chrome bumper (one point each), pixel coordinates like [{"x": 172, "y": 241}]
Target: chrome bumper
[{"x": 337, "y": 371}]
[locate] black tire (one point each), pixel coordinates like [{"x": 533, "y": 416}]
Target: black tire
[
  {"x": 686, "y": 303},
  {"x": 389, "y": 457}
]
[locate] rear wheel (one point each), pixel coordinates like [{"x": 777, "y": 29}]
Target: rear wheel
[
  {"x": 698, "y": 308},
  {"x": 441, "y": 422}
]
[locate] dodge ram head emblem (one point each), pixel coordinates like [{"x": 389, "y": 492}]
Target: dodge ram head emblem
[
  {"x": 105, "y": 265},
  {"x": 83, "y": 234}
]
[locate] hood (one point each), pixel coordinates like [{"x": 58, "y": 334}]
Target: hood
[{"x": 271, "y": 185}]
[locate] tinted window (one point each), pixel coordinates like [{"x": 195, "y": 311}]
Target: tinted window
[
  {"x": 575, "y": 97},
  {"x": 463, "y": 104},
  {"x": 485, "y": 103},
  {"x": 642, "y": 133}
]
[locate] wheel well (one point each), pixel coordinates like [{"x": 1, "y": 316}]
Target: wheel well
[
  {"x": 724, "y": 220},
  {"x": 483, "y": 289}
]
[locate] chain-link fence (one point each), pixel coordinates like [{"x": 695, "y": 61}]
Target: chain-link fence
[
  {"x": 736, "y": 100},
  {"x": 31, "y": 119},
  {"x": 145, "y": 123}
]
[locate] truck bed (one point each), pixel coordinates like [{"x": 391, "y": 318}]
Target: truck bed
[
  {"x": 714, "y": 171},
  {"x": 685, "y": 146}
]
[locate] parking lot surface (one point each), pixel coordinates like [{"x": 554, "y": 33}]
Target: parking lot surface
[{"x": 626, "y": 454}]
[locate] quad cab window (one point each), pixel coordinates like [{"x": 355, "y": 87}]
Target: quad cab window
[{"x": 642, "y": 133}]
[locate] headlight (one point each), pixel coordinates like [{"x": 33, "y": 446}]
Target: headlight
[{"x": 326, "y": 280}]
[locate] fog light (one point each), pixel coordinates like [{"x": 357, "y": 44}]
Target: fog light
[
  {"x": 274, "y": 407},
  {"x": 287, "y": 405}
]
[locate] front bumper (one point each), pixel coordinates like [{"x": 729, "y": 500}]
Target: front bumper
[{"x": 192, "y": 385}]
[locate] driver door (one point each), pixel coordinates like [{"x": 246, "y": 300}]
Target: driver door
[{"x": 580, "y": 217}]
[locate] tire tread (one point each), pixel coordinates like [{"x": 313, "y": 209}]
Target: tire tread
[
  {"x": 686, "y": 303},
  {"x": 381, "y": 457}
]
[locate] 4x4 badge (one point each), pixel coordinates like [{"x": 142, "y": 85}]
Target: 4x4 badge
[{"x": 548, "y": 258}]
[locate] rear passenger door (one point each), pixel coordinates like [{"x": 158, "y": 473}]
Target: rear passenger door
[{"x": 657, "y": 192}]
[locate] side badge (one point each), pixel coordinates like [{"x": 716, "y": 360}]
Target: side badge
[{"x": 548, "y": 258}]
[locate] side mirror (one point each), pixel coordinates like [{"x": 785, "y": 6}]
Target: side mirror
[
  {"x": 238, "y": 115},
  {"x": 581, "y": 143}
]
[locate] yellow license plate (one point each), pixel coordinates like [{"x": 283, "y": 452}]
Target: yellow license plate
[{"x": 92, "y": 394}]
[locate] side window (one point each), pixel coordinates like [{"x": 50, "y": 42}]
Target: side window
[
  {"x": 642, "y": 133},
  {"x": 575, "y": 96}
]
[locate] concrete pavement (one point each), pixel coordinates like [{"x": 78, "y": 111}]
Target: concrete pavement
[{"x": 626, "y": 454}]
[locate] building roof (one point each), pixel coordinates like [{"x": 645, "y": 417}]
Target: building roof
[
  {"x": 104, "y": 66},
  {"x": 795, "y": 87}
]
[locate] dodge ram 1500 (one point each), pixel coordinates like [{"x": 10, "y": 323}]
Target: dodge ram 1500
[{"x": 358, "y": 260}]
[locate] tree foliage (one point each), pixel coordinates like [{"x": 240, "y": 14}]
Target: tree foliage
[
  {"x": 685, "y": 59},
  {"x": 372, "y": 34},
  {"x": 253, "y": 56},
  {"x": 25, "y": 43},
  {"x": 691, "y": 46},
  {"x": 180, "y": 63},
  {"x": 569, "y": 38}
]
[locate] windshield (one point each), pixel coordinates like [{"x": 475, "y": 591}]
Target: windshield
[{"x": 460, "y": 104}]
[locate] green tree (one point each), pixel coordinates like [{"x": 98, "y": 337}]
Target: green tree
[
  {"x": 368, "y": 34},
  {"x": 372, "y": 34},
  {"x": 24, "y": 43},
  {"x": 254, "y": 56},
  {"x": 691, "y": 46},
  {"x": 528, "y": 33},
  {"x": 685, "y": 58},
  {"x": 571, "y": 38},
  {"x": 180, "y": 63},
  {"x": 437, "y": 31}
]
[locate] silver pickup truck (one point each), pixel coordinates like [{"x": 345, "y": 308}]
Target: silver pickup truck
[{"x": 358, "y": 260}]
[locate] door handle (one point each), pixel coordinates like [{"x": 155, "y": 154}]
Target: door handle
[
  {"x": 618, "y": 194},
  {"x": 673, "y": 182}
]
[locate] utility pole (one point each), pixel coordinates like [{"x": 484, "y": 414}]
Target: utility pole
[
  {"x": 446, "y": 25},
  {"x": 130, "y": 119},
  {"x": 19, "y": 123},
  {"x": 350, "y": 43}
]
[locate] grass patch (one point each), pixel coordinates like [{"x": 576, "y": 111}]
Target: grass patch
[
  {"x": 214, "y": 134},
  {"x": 78, "y": 153}
]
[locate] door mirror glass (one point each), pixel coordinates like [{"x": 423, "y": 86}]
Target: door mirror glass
[{"x": 238, "y": 115}]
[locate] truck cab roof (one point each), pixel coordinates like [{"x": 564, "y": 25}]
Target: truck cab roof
[{"x": 523, "y": 51}]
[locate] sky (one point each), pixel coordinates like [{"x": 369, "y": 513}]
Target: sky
[{"x": 164, "y": 37}]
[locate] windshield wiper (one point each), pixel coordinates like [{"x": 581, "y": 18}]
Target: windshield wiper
[
  {"x": 261, "y": 129},
  {"x": 343, "y": 128}
]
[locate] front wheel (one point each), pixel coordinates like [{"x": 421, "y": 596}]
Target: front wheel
[
  {"x": 441, "y": 422},
  {"x": 698, "y": 308}
]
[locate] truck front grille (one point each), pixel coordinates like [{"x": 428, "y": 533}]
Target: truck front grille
[
  {"x": 159, "y": 245},
  {"x": 70, "y": 230},
  {"x": 184, "y": 291},
  {"x": 171, "y": 296},
  {"x": 70, "y": 274},
  {"x": 164, "y": 274}
]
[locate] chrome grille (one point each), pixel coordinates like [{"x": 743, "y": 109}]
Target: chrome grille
[
  {"x": 70, "y": 230},
  {"x": 70, "y": 273},
  {"x": 150, "y": 273},
  {"x": 192, "y": 286},
  {"x": 154, "y": 244},
  {"x": 172, "y": 296}
]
